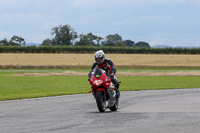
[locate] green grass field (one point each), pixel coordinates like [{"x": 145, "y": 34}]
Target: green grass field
[{"x": 20, "y": 87}]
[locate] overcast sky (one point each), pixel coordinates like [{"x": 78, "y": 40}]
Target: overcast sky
[{"x": 158, "y": 22}]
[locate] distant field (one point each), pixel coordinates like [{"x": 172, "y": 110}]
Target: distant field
[{"x": 85, "y": 60}]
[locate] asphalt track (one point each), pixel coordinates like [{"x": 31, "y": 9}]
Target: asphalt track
[{"x": 160, "y": 111}]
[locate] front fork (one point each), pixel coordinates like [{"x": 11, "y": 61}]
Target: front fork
[
  {"x": 104, "y": 98},
  {"x": 104, "y": 94}
]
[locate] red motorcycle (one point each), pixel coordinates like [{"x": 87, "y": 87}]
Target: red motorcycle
[{"x": 103, "y": 90}]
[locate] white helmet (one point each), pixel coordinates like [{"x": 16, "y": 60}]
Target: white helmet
[{"x": 99, "y": 57}]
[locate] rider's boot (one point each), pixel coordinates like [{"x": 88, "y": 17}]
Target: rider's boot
[
  {"x": 117, "y": 92},
  {"x": 116, "y": 83}
]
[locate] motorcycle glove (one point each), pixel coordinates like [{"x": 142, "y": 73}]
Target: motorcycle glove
[{"x": 112, "y": 75}]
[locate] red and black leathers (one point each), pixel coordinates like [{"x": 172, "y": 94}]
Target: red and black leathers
[{"x": 108, "y": 66}]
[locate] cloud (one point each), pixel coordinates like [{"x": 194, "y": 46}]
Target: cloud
[
  {"x": 155, "y": 18},
  {"x": 3, "y": 34},
  {"x": 157, "y": 41},
  {"x": 156, "y": 21}
]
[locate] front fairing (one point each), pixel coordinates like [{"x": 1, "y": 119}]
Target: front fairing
[{"x": 99, "y": 79}]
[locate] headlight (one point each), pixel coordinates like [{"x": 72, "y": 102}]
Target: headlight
[{"x": 98, "y": 82}]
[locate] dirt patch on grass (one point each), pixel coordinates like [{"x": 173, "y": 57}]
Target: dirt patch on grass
[
  {"x": 159, "y": 74},
  {"x": 71, "y": 73},
  {"x": 67, "y": 73}
]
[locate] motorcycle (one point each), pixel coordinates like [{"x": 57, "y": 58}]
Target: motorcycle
[{"x": 103, "y": 90}]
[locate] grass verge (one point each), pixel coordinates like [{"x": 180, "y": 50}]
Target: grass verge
[{"x": 20, "y": 87}]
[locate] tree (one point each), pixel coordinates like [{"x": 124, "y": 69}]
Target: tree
[
  {"x": 17, "y": 41},
  {"x": 129, "y": 43},
  {"x": 142, "y": 44},
  {"x": 120, "y": 44},
  {"x": 47, "y": 42},
  {"x": 98, "y": 39},
  {"x": 14, "y": 41},
  {"x": 85, "y": 40},
  {"x": 113, "y": 40},
  {"x": 64, "y": 35},
  {"x": 4, "y": 42},
  {"x": 88, "y": 40}
]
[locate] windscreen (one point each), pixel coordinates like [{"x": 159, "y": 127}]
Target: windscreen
[{"x": 98, "y": 72}]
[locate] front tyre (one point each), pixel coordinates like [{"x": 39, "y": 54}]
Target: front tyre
[{"x": 100, "y": 102}]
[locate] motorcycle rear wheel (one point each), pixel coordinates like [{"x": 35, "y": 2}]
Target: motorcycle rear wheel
[
  {"x": 115, "y": 106},
  {"x": 100, "y": 102}
]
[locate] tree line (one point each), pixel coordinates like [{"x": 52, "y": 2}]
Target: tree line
[
  {"x": 89, "y": 49},
  {"x": 65, "y": 35}
]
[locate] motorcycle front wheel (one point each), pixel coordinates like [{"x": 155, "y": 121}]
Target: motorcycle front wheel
[{"x": 101, "y": 104}]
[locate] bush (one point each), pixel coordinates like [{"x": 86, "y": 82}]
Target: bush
[{"x": 93, "y": 49}]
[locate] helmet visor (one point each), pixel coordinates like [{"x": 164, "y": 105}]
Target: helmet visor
[{"x": 98, "y": 59}]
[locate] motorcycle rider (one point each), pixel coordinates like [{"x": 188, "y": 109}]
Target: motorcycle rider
[{"x": 108, "y": 66}]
